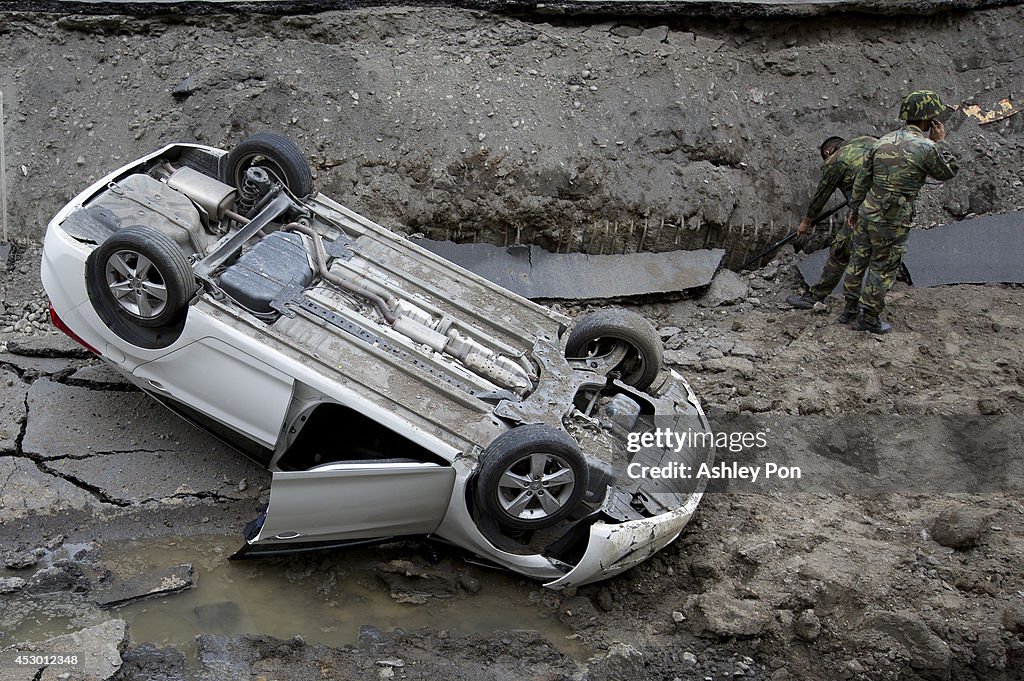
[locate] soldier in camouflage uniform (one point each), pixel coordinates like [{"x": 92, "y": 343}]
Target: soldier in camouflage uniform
[
  {"x": 882, "y": 204},
  {"x": 843, "y": 161}
]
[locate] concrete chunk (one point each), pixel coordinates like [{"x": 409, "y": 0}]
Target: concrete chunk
[
  {"x": 26, "y": 492},
  {"x": 169, "y": 581},
  {"x": 727, "y": 288},
  {"x": 98, "y": 647}
]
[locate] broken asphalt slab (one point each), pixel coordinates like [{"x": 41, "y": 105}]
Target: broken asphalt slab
[
  {"x": 978, "y": 251},
  {"x": 27, "y": 492},
  {"x": 98, "y": 648},
  {"x": 127, "y": 478},
  {"x": 168, "y": 581},
  {"x": 124, "y": 448},
  {"x": 535, "y": 273},
  {"x": 73, "y": 421}
]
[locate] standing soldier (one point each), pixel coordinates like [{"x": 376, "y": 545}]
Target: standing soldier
[
  {"x": 843, "y": 161},
  {"x": 882, "y": 205}
]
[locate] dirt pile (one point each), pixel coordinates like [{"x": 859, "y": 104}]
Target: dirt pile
[{"x": 473, "y": 126}]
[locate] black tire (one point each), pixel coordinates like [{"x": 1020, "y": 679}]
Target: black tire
[
  {"x": 140, "y": 278},
  {"x": 531, "y": 477},
  {"x": 274, "y": 152},
  {"x": 598, "y": 333}
]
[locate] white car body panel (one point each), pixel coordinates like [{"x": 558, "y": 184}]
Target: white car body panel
[
  {"x": 356, "y": 501},
  {"x": 226, "y": 383}
]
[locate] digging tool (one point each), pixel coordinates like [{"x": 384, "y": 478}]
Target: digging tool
[{"x": 789, "y": 237}]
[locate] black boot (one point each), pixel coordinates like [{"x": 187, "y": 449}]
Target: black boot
[
  {"x": 804, "y": 301},
  {"x": 872, "y": 324},
  {"x": 849, "y": 312}
]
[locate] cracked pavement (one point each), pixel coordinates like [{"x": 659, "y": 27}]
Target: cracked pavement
[{"x": 75, "y": 436}]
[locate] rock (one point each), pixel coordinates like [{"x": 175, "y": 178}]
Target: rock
[
  {"x": 658, "y": 34},
  {"x": 755, "y": 404},
  {"x": 21, "y": 561},
  {"x": 469, "y": 583},
  {"x": 757, "y": 552},
  {"x": 604, "y": 599},
  {"x": 724, "y": 615},
  {"x": 185, "y": 88},
  {"x": 707, "y": 45},
  {"x": 10, "y": 585},
  {"x": 959, "y": 528},
  {"x": 929, "y": 654},
  {"x": 675, "y": 342},
  {"x": 703, "y": 568},
  {"x": 727, "y": 288},
  {"x": 737, "y": 325},
  {"x": 1013, "y": 618},
  {"x": 149, "y": 663},
  {"x": 744, "y": 367},
  {"x": 678, "y": 617},
  {"x": 64, "y": 577},
  {"x": 807, "y": 626},
  {"x": 689, "y": 659},
  {"x": 685, "y": 357},
  {"x": 578, "y": 612},
  {"x": 169, "y": 581},
  {"x": 712, "y": 353},
  {"x": 667, "y": 332},
  {"x": 741, "y": 350},
  {"x": 626, "y": 31},
  {"x": 99, "y": 647},
  {"x": 622, "y": 661},
  {"x": 990, "y": 406}
]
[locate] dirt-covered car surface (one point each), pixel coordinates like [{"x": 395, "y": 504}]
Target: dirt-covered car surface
[{"x": 390, "y": 392}]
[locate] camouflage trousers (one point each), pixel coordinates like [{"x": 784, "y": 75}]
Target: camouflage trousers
[
  {"x": 838, "y": 259},
  {"x": 875, "y": 256}
]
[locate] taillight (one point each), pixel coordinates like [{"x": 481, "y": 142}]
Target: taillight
[{"x": 59, "y": 323}]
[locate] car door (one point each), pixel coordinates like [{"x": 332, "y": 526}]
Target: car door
[
  {"x": 342, "y": 501},
  {"x": 220, "y": 381}
]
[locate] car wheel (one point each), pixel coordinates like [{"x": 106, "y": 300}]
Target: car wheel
[
  {"x": 531, "y": 477},
  {"x": 273, "y": 152},
  {"x": 612, "y": 333},
  {"x": 139, "y": 276}
]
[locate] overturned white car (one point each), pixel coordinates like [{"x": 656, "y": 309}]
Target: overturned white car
[{"x": 390, "y": 392}]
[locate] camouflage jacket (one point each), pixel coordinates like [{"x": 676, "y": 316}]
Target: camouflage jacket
[
  {"x": 894, "y": 171},
  {"x": 839, "y": 171}
]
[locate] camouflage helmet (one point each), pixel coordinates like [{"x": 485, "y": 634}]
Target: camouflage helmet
[{"x": 922, "y": 105}]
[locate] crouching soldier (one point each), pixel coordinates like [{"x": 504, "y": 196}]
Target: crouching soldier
[
  {"x": 842, "y": 162},
  {"x": 882, "y": 205}
]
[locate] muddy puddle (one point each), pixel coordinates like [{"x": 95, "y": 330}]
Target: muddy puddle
[{"x": 281, "y": 597}]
